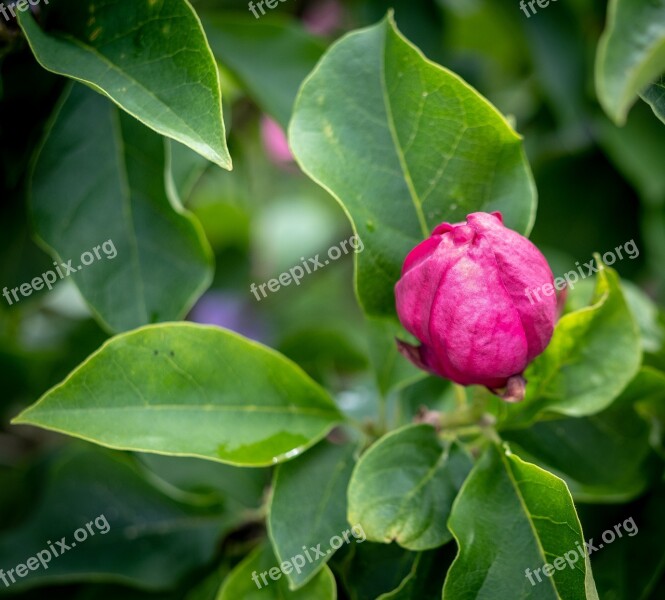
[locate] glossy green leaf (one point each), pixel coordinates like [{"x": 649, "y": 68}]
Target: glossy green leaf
[
  {"x": 404, "y": 144},
  {"x": 151, "y": 539},
  {"x": 99, "y": 180},
  {"x": 593, "y": 355},
  {"x": 251, "y": 580},
  {"x": 654, "y": 96},
  {"x": 270, "y": 56},
  {"x": 631, "y": 53},
  {"x": 511, "y": 518},
  {"x": 322, "y": 476},
  {"x": 403, "y": 487},
  {"x": 151, "y": 58},
  {"x": 189, "y": 390},
  {"x": 602, "y": 458},
  {"x": 642, "y": 307}
]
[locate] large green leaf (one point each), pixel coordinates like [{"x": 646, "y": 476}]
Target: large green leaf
[
  {"x": 151, "y": 539},
  {"x": 251, "y": 580},
  {"x": 100, "y": 178},
  {"x": 151, "y": 58},
  {"x": 593, "y": 355},
  {"x": 602, "y": 458},
  {"x": 189, "y": 390},
  {"x": 510, "y": 519},
  {"x": 271, "y": 57},
  {"x": 631, "y": 53},
  {"x": 404, "y": 144},
  {"x": 322, "y": 476},
  {"x": 654, "y": 96},
  {"x": 403, "y": 487}
]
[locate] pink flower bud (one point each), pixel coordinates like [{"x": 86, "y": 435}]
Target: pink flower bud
[
  {"x": 463, "y": 294},
  {"x": 275, "y": 142}
]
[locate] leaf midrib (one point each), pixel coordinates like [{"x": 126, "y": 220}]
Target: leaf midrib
[
  {"x": 527, "y": 513},
  {"x": 126, "y": 200},
  {"x": 415, "y": 199}
]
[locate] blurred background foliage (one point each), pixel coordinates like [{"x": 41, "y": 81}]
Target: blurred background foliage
[{"x": 599, "y": 187}]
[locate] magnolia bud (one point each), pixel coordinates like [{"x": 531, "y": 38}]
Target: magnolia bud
[{"x": 463, "y": 295}]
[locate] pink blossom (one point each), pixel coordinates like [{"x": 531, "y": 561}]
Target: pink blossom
[
  {"x": 275, "y": 142},
  {"x": 462, "y": 294}
]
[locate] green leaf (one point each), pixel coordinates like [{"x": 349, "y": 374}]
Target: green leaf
[
  {"x": 645, "y": 313},
  {"x": 426, "y": 577},
  {"x": 189, "y": 390},
  {"x": 322, "y": 350},
  {"x": 593, "y": 355},
  {"x": 186, "y": 168},
  {"x": 404, "y": 144},
  {"x": 322, "y": 476},
  {"x": 511, "y": 517},
  {"x": 403, "y": 487},
  {"x": 100, "y": 175},
  {"x": 151, "y": 540},
  {"x": 602, "y": 458},
  {"x": 391, "y": 369},
  {"x": 240, "y": 583},
  {"x": 206, "y": 482},
  {"x": 631, "y": 53},
  {"x": 648, "y": 387},
  {"x": 151, "y": 58},
  {"x": 647, "y": 391},
  {"x": 374, "y": 569},
  {"x": 271, "y": 57},
  {"x": 635, "y": 149},
  {"x": 632, "y": 567},
  {"x": 654, "y": 96}
]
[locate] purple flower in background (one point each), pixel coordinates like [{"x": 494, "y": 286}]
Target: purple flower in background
[
  {"x": 230, "y": 312},
  {"x": 323, "y": 18}
]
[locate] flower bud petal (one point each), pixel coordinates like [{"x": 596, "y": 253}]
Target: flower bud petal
[{"x": 462, "y": 294}]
